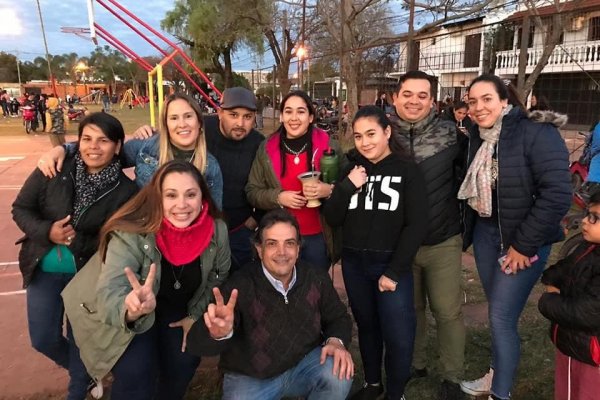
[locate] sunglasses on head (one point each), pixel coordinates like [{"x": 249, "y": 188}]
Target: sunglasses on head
[{"x": 592, "y": 217}]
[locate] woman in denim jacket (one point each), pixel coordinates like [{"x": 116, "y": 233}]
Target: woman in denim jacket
[{"x": 181, "y": 138}]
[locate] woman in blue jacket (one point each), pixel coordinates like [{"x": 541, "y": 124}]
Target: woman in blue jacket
[
  {"x": 181, "y": 138},
  {"x": 518, "y": 189}
]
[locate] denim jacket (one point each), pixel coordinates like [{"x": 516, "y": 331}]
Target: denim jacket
[{"x": 143, "y": 155}]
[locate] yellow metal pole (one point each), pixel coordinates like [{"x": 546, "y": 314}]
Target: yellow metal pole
[
  {"x": 151, "y": 95},
  {"x": 159, "y": 84}
]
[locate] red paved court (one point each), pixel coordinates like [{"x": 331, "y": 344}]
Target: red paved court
[{"x": 24, "y": 372}]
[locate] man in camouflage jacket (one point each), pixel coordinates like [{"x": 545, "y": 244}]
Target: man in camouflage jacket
[{"x": 433, "y": 144}]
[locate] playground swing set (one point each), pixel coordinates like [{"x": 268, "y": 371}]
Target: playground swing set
[{"x": 125, "y": 16}]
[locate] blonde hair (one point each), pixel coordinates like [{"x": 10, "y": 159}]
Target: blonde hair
[{"x": 165, "y": 152}]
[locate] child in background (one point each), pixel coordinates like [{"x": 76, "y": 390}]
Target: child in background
[
  {"x": 55, "y": 122},
  {"x": 572, "y": 304}
]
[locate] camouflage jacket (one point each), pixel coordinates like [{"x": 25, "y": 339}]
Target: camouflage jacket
[
  {"x": 57, "y": 119},
  {"x": 433, "y": 144}
]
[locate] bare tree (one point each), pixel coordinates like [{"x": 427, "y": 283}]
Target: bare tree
[{"x": 553, "y": 28}]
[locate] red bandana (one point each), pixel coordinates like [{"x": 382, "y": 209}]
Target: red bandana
[{"x": 181, "y": 246}]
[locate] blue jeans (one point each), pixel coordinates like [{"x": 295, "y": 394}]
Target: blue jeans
[
  {"x": 314, "y": 251},
  {"x": 153, "y": 366},
  {"x": 383, "y": 318},
  {"x": 45, "y": 317},
  {"x": 241, "y": 247},
  {"x": 307, "y": 379},
  {"x": 506, "y": 295}
]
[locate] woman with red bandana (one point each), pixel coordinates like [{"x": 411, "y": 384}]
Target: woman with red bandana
[{"x": 160, "y": 256}]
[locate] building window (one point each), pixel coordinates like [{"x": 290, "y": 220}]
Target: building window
[
  {"x": 594, "y": 29},
  {"x": 531, "y": 36},
  {"x": 504, "y": 37},
  {"x": 549, "y": 30},
  {"x": 472, "y": 50}
]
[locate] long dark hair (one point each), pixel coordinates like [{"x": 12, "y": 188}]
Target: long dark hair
[
  {"x": 309, "y": 132},
  {"x": 144, "y": 212},
  {"x": 378, "y": 115},
  {"x": 504, "y": 88}
]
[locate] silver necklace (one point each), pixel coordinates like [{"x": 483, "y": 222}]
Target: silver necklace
[
  {"x": 296, "y": 153},
  {"x": 192, "y": 157},
  {"x": 177, "y": 284}
]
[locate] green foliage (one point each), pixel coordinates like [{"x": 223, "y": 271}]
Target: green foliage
[
  {"x": 109, "y": 64},
  {"x": 267, "y": 90},
  {"x": 238, "y": 80},
  {"x": 215, "y": 29},
  {"x": 8, "y": 67}
]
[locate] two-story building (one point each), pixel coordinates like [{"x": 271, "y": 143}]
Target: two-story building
[
  {"x": 457, "y": 52},
  {"x": 452, "y": 53},
  {"x": 570, "y": 81}
]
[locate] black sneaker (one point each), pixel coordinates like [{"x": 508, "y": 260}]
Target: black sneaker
[
  {"x": 368, "y": 392},
  {"x": 451, "y": 391}
]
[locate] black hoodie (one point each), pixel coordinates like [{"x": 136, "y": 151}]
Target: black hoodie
[{"x": 388, "y": 214}]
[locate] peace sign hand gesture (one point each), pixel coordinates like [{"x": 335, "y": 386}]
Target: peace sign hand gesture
[
  {"x": 219, "y": 317},
  {"x": 141, "y": 300}
]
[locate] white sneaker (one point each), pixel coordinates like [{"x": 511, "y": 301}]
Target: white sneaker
[
  {"x": 479, "y": 387},
  {"x": 96, "y": 390}
]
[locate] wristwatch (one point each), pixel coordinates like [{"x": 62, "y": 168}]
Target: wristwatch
[{"x": 334, "y": 338}]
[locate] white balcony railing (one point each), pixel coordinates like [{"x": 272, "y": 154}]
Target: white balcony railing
[
  {"x": 443, "y": 62},
  {"x": 564, "y": 58}
]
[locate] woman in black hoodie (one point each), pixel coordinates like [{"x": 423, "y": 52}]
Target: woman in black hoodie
[{"x": 382, "y": 206}]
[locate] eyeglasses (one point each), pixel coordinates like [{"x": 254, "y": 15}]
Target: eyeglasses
[{"x": 592, "y": 217}]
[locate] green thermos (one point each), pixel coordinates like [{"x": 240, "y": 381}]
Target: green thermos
[{"x": 329, "y": 166}]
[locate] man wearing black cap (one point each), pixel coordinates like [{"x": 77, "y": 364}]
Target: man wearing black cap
[{"x": 232, "y": 139}]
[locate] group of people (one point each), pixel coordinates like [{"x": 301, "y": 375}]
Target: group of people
[{"x": 223, "y": 250}]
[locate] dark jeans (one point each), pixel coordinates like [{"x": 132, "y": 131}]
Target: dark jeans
[
  {"x": 506, "y": 295},
  {"x": 241, "y": 247},
  {"x": 314, "y": 251},
  {"x": 45, "y": 316},
  {"x": 383, "y": 318},
  {"x": 153, "y": 366}
]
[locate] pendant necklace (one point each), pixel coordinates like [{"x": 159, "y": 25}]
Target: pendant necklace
[
  {"x": 192, "y": 157},
  {"x": 295, "y": 153},
  {"x": 177, "y": 284}
]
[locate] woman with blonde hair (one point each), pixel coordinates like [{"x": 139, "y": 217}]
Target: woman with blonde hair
[{"x": 181, "y": 138}]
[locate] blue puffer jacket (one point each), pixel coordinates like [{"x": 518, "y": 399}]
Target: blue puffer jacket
[{"x": 533, "y": 186}]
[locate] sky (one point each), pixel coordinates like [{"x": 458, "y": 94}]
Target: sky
[{"x": 21, "y": 32}]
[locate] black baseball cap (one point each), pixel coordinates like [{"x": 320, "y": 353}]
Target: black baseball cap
[{"x": 238, "y": 97}]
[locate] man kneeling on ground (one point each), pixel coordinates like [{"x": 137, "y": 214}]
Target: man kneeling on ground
[{"x": 285, "y": 334}]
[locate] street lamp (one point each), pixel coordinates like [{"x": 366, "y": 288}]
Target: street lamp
[{"x": 301, "y": 54}]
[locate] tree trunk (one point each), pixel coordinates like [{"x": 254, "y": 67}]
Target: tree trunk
[
  {"x": 523, "y": 55},
  {"x": 227, "y": 71},
  {"x": 552, "y": 39}
]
